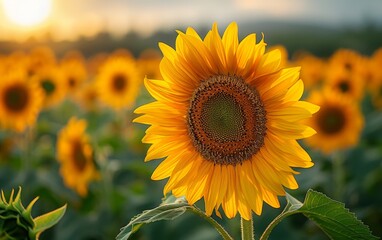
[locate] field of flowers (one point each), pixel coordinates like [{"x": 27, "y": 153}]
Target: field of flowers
[{"x": 67, "y": 135}]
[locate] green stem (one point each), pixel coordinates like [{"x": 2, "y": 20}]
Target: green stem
[
  {"x": 338, "y": 175},
  {"x": 216, "y": 225},
  {"x": 276, "y": 221},
  {"x": 247, "y": 232}
]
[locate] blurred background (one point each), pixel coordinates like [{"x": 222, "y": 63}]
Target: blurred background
[{"x": 69, "y": 48}]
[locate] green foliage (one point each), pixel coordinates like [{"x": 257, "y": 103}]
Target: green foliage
[
  {"x": 330, "y": 215},
  {"x": 166, "y": 211},
  {"x": 48, "y": 220},
  {"x": 17, "y": 223},
  {"x": 170, "y": 209}
]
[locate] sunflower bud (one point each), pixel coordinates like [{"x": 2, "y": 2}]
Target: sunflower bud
[{"x": 16, "y": 222}]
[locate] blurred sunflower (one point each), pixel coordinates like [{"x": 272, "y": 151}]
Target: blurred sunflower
[
  {"x": 3, "y": 62},
  {"x": 16, "y": 61},
  {"x": 76, "y": 157},
  {"x": 38, "y": 59},
  {"x": 73, "y": 55},
  {"x": 118, "y": 82},
  {"x": 226, "y": 118},
  {"x": 345, "y": 83},
  {"x": 312, "y": 69},
  {"x": 346, "y": 60},
  {"x": 75, "y": 74},
  {"x": 88, "y": 96},
  {"x": 121, "y": 53},
  {"x": 375, "y": 78},
  {"x": 95, "y": 62},
  {"x": 338, "y": 123},
  {"x": 20, "y": 101},
  {"x": 148, "y": 63},
  {"x": 52, "y": 85}
]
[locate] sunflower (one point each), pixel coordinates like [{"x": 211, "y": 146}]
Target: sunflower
[
  {"x": 73, "y": 55},
  {"x": 75, "y": 155},
  {"x": 118, "y": 82},
  {"x": 52, "y": 85},
  {"x": 284, "y": 54},
  {"x": 312, "y": 69},
  {"x": 148, "y": 63},
  {"x": 95, "y": 62},
  {"x": 338, "y": 123},
  {"x": 20, "y": 101},
  {"x": 345, "y": 83},
  {"x": 38, "y": 59},
  {"x": 375, "y": 78},
  {"x": 75, "y": 74},
  {"x": 121, "y": 53},
  {"x": 226, "y": 117},
  {"x": 347, "y": 60},
  {"x": 88, "y": 97}
]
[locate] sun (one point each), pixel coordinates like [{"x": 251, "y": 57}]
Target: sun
[{"x": 27, "y": 13}]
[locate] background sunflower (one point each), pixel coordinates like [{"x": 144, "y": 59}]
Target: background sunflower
[
  {"x": 118, "y": 82},
  {"x": 51, "y": 82},
  {"x": 76, "y": 157},
  {"x": 338, "y": 123},
  {"x": 20, "y": 101}
]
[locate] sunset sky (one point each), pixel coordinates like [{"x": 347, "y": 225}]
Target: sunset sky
[{"x": 69, "y": 19}]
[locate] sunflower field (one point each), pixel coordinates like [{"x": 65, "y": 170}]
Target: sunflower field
[{"x": 80, "y": 133}]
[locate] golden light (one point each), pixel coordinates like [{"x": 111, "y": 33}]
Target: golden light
[{"x": 27, "y": 13}]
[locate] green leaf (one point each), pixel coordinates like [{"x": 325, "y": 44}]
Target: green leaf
[
  {"x": 170, "y": 209},
  {"x": 47, "y": 220},
  {"x": 333, "y": 218},
  {"x": 330, "y": 215},
  {"x": 166, "y": 211}
]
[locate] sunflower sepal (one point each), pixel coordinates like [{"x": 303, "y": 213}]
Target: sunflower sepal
[
  {"x": 170, "y": 208},
  {"x": 330, "y": 215},
  {"x": 48, "y": 220},
  {"x": 16, "y": 221}
]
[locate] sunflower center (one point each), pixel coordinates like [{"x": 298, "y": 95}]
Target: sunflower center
[
  {"x": 16, "y": 98},
  {"x": 72, "y": 82},
  {"x": 344, "y": 86},
  {"x": 119, "y": 82},
  {"x": 226, "y": 120},
  {"x": 79, "y": 158},
  {"x": 331, "y": 120},
  {"x": 348, "y": 66},
  {"x": 48, "y": 86}
]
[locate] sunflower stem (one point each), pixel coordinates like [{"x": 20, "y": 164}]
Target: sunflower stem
[
  {"x": 247, "y": 232},
  {"x": 212, "y": 221},
  {"x": 338, "y": 175}
]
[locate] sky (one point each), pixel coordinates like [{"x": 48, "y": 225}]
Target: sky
[{"x": 70, "y": 19}]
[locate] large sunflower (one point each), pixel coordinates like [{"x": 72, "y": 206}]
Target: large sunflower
[
  {"x": 226, "y": 117},
  {"x": 20, "y": 101},
  {"x": 75, "y": 154},
  {"x": 338, "y": 123},
  {"x": 118, "y": 82}
]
